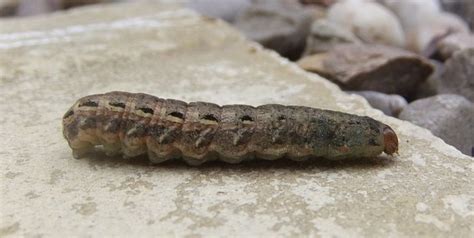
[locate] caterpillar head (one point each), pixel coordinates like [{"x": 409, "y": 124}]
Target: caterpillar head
[{"x": 390, "y": 140}]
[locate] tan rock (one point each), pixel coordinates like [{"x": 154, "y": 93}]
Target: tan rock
[
  {"x": 46, "y": 63},
  {"x": 375, "y": 68}
]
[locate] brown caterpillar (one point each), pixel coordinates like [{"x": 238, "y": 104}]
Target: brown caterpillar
[{"x": 134, "y": 124}]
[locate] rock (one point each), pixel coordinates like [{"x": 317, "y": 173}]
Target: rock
[
  {"x": 449, "y": 116},
  {"x": 374, "y": 68},
  {"x": 8, "y": 7},
  {"x": 463, "y": 8},
  {"x": 424, "y": 23},
  {"x": 389, "y": 104},
  {"x": 368, "y": 20},
  {"x": 431, "y": 86},
  {"x": 279, "y": 25},
  {"x": 458, "y": 77},
  {"x": 411, "y": 12},
  {"x": 325, "y": 35},
  {"x": 446, "y": 47},
  {"x": 434, "y": 28},
  {"x": 36, "y": 7},
  {"x": 66, "y": 4},
  {"x": 165, "y": 50},
  {"x": 226, "y": 10},
  {"x": 317, "y": 12},
  {"x": 324, "y": 3}
]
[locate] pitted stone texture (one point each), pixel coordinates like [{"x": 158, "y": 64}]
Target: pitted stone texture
[
  {"x": 449, "y": 116},
  {"x": 46, "y": 63}
]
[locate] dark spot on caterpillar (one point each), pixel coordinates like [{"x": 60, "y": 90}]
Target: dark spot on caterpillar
[
  {"x": 373, "y": 142},
  {"x": 137, "y": 130},
  {"x": 146, "y": 110},
  {"x": 117, "y": 104},
  {"x": 177, "y": 114},
  {"x": 89, "y": 104},
  {"x": 113, "y": 125},
  {"x": 68, "y": 114},
  {"x": 351, "y": 122},
  {"x": 210, "y": 117},
  {"x": 88, "y": 123},
  {"x": 246, "y": 118}
]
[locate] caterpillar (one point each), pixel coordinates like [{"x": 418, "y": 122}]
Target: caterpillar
[{"x": 133, "y": 124}]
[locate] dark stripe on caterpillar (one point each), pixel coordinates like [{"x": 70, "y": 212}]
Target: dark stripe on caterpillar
[{"x": 135, "y": 124}]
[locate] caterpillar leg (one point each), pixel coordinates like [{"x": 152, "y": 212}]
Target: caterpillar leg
[
  {"x": 197, "y": 160},
  {"x": 236, "y": 158},
  {"x": 81, "y": 148},
  {"x": 129, "y": 152},
  {"x": 156, "y": 157},
  {"x": 81, "y": 152},
  {"x": 112, "y": 149}
]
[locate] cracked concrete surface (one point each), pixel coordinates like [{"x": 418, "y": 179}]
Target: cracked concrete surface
[{"x": 46, "y": 63}]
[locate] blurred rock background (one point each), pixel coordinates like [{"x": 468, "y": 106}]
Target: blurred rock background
[{"x": 410, "y": 59}]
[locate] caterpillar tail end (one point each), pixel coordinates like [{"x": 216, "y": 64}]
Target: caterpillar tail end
[{"x": 390, "y": 141}]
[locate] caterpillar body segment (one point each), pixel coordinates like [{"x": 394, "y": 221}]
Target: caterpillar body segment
[{"x": 133, "y": 124}]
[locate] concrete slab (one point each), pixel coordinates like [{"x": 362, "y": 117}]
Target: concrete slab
[{"x": 46, "y": 63}]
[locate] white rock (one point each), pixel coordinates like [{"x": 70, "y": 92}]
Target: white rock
[
  {"x": 433, "y": 28},
  {"x": 424, "y": 21},
  {"x": 370, "y": 21},
  {"x": 409, "y": 11},
  {"x": 325, "y": 35},
  {"x": 463, "y": 8}
]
